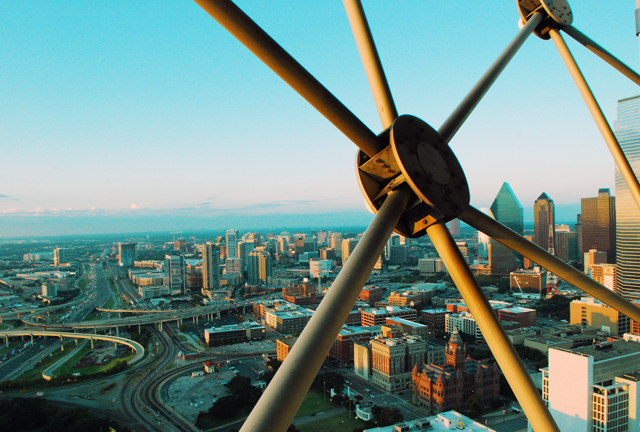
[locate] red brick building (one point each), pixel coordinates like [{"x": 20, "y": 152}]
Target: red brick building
[
  {"x": 441, "y": 388},
  {"x": 434, "y": 318},
  {"x": 371, "y": 294},
  {"x": 303, "y": 294},
  {"x": 342, "y": 348}
]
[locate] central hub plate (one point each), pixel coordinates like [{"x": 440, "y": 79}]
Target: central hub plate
[{"x": 429, "y": 166}]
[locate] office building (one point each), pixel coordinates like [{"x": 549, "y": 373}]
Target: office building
[
  {"x": 442, "y": 387},
  {"x": 259, "y": 268},
  {"x": 435, "y": 319},
  {"x": 599, "y": 224},
  {"x": 210, "y": 267},
  {"x": 126, "y": 254},
  {"x": 231, "y": 239},
  {"x": 594, "y": 313},
  {"x": 283, "y": 347},
  {"x": 507, "y": 210},
  {"x": 49, "y": 290},
  {"x": 454, "y": 227},
  {"x": 336, "y": 243},
  {"x": 342, "y": 350},
  {"x": 174, "y": 267},
  {"x": 594, "y": 388},
  {"x": 544, "y": 223},
  {"x": 627, "y": 131},
  {"x": 567, "y": 245},
  {"x": 378, "y": 316},
  {"x": 394, "y": 239},
  {"x": 319, "y": 268},
  {"x": 399, "y": 254},
  {"x": 604, "y": 274},
  {"x": 233, "y": 265},
  {"x": 593, "y": 257},
  {"x": 371, "y": 294},
  {"x": 529, "y": 283},
  {"x": 348, "y": 245},
  {"x": 431, "y": 266},
  {"x": 411, "y": 328},
  {"x": 63, "y": 256},
  {"x": 244, "y": 248}
]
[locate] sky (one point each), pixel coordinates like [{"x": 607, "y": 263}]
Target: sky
[{"x": 119, "y": 115}]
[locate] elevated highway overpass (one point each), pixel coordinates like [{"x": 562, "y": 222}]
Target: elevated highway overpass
[{"x": 135, "y": 346}]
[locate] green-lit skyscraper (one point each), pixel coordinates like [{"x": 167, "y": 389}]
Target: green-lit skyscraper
[
  {"x": 507, "y": 210},
  {"x": 627, "y": 131}
]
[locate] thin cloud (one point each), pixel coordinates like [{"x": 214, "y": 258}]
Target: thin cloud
[{"x": 135, "y": 206}]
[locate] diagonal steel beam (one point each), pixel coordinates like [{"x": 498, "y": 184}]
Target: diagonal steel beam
[
  {"x": 603, "y": 125},
  {"x": 605, "y": 55},
  {"x": 281, "y": 400},
  {"x": 512, "y": 240},
  {"x": 468, "y": 104},
  {"x": 243, "y": 28},
  {"x": 371, "y": 62},
  {"x": 492, "y": 331}
]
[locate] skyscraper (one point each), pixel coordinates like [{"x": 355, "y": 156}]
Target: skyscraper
[
  {"x": 454, "y": 227},
  {"x": 348, "y": 245},
  {"x": 599, "y": 224},
  {"x": 176, "y": 274},
  {"x": 244, "y": 249},
  {"x": 507, "y": 210},
  {"x": 627, "y": 131},
  {"x": 232, "y": 241},
  {"x": 544, "y": 223},
  {"x": 210, "y": 267},
  {"x": 259, "y": 268}
]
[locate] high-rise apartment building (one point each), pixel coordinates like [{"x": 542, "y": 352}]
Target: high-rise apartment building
[
  {"x": 126, "y": 254},
  {"x": 336, "y": 242},
  {"x": 599, "y": 224},
  {"x": 567, "y": 245},
  {"x": 174, "y": 267},
  {"x": 507, "y": 210},
  {"x": 627, "y": 131},
  {"x": 593, "y": 257},
  {"x": 233, "y": 265},
  {"x": 544, "y": 223},
  {"x": 63, "y": 256},
  {"x": 210, "y": 267},
  {"x": 259, "y": 268},
  {"x": 232, "y": 241}
]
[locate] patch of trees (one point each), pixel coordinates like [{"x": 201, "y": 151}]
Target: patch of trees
[
  {"x": 532, "y": 355},
  {"x": 143, "y": 338},
  {"x": 241, "y": 397},
  {"x": 23, "y": 414},
  {"x": 329, "y": 380},
  {"x": 501, "y": 282},
  {"x": 557, "y": 306},
  {"x": 272, "y": 365},
  {"x": 385, "y": 416}
]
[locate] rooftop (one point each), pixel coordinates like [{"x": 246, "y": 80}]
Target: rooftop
[
  {"x": 608, "y": 350},
  {"x": 407, "y": 322}
]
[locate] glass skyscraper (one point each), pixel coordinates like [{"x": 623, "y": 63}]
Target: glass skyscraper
[
  {"x": 627, "y": 131},
  {"x": 544, "y": 223},
  {"x": 507, "y": 210}
]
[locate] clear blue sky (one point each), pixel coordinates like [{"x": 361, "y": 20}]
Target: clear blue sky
[{"x": 151, "y": 111}]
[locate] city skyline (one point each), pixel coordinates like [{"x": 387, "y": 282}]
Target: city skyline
[{"x": 91, "y": 95}]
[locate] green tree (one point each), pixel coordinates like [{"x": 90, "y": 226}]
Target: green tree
[{"x": 474, "y": 406}]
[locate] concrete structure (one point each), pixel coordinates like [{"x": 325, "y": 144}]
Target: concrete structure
[
  {"x": 50, "y": 290},
  {"x": 594, "y": 388},
  {"x": 599, "y": 224},
  {"x": 544, "y": 223},
  {"x": 431, "y": 266},
  {"x": 592, "y": 257},
  {"x": 594, "y": 313},
  {"x": 302, "y": 294},
  {"x": 231, "y": 239},
  {"x": 147, "y": 277},
  {"x": 439, "y": 388},
  {"x": 126, "y": 254},
  {"x": 153, "y": 291},
  {"x": 225, "y": 335},
  {"x": 445, "y": 421}
]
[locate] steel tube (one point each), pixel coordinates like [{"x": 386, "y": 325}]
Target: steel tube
[
  {"x": 614, "y": 147},
  {"x": 243, "y": 28},
  {"x": 605, "y": 55},
  {"x": 512, "y": 240},
  {"x": 468, "y": 104},
  {"x": 492, "y": 331},
  {"x": 371, "y": 62},
  {"x": 282, "y": 398}
]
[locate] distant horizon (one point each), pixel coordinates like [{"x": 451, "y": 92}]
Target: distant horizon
[{"x": 149, "y": 222}]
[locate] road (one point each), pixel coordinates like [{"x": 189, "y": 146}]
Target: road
[{"x": 28, "y": 359}]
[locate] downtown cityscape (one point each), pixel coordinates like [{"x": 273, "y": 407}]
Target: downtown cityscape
[{"x": 182, "y": 248}]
